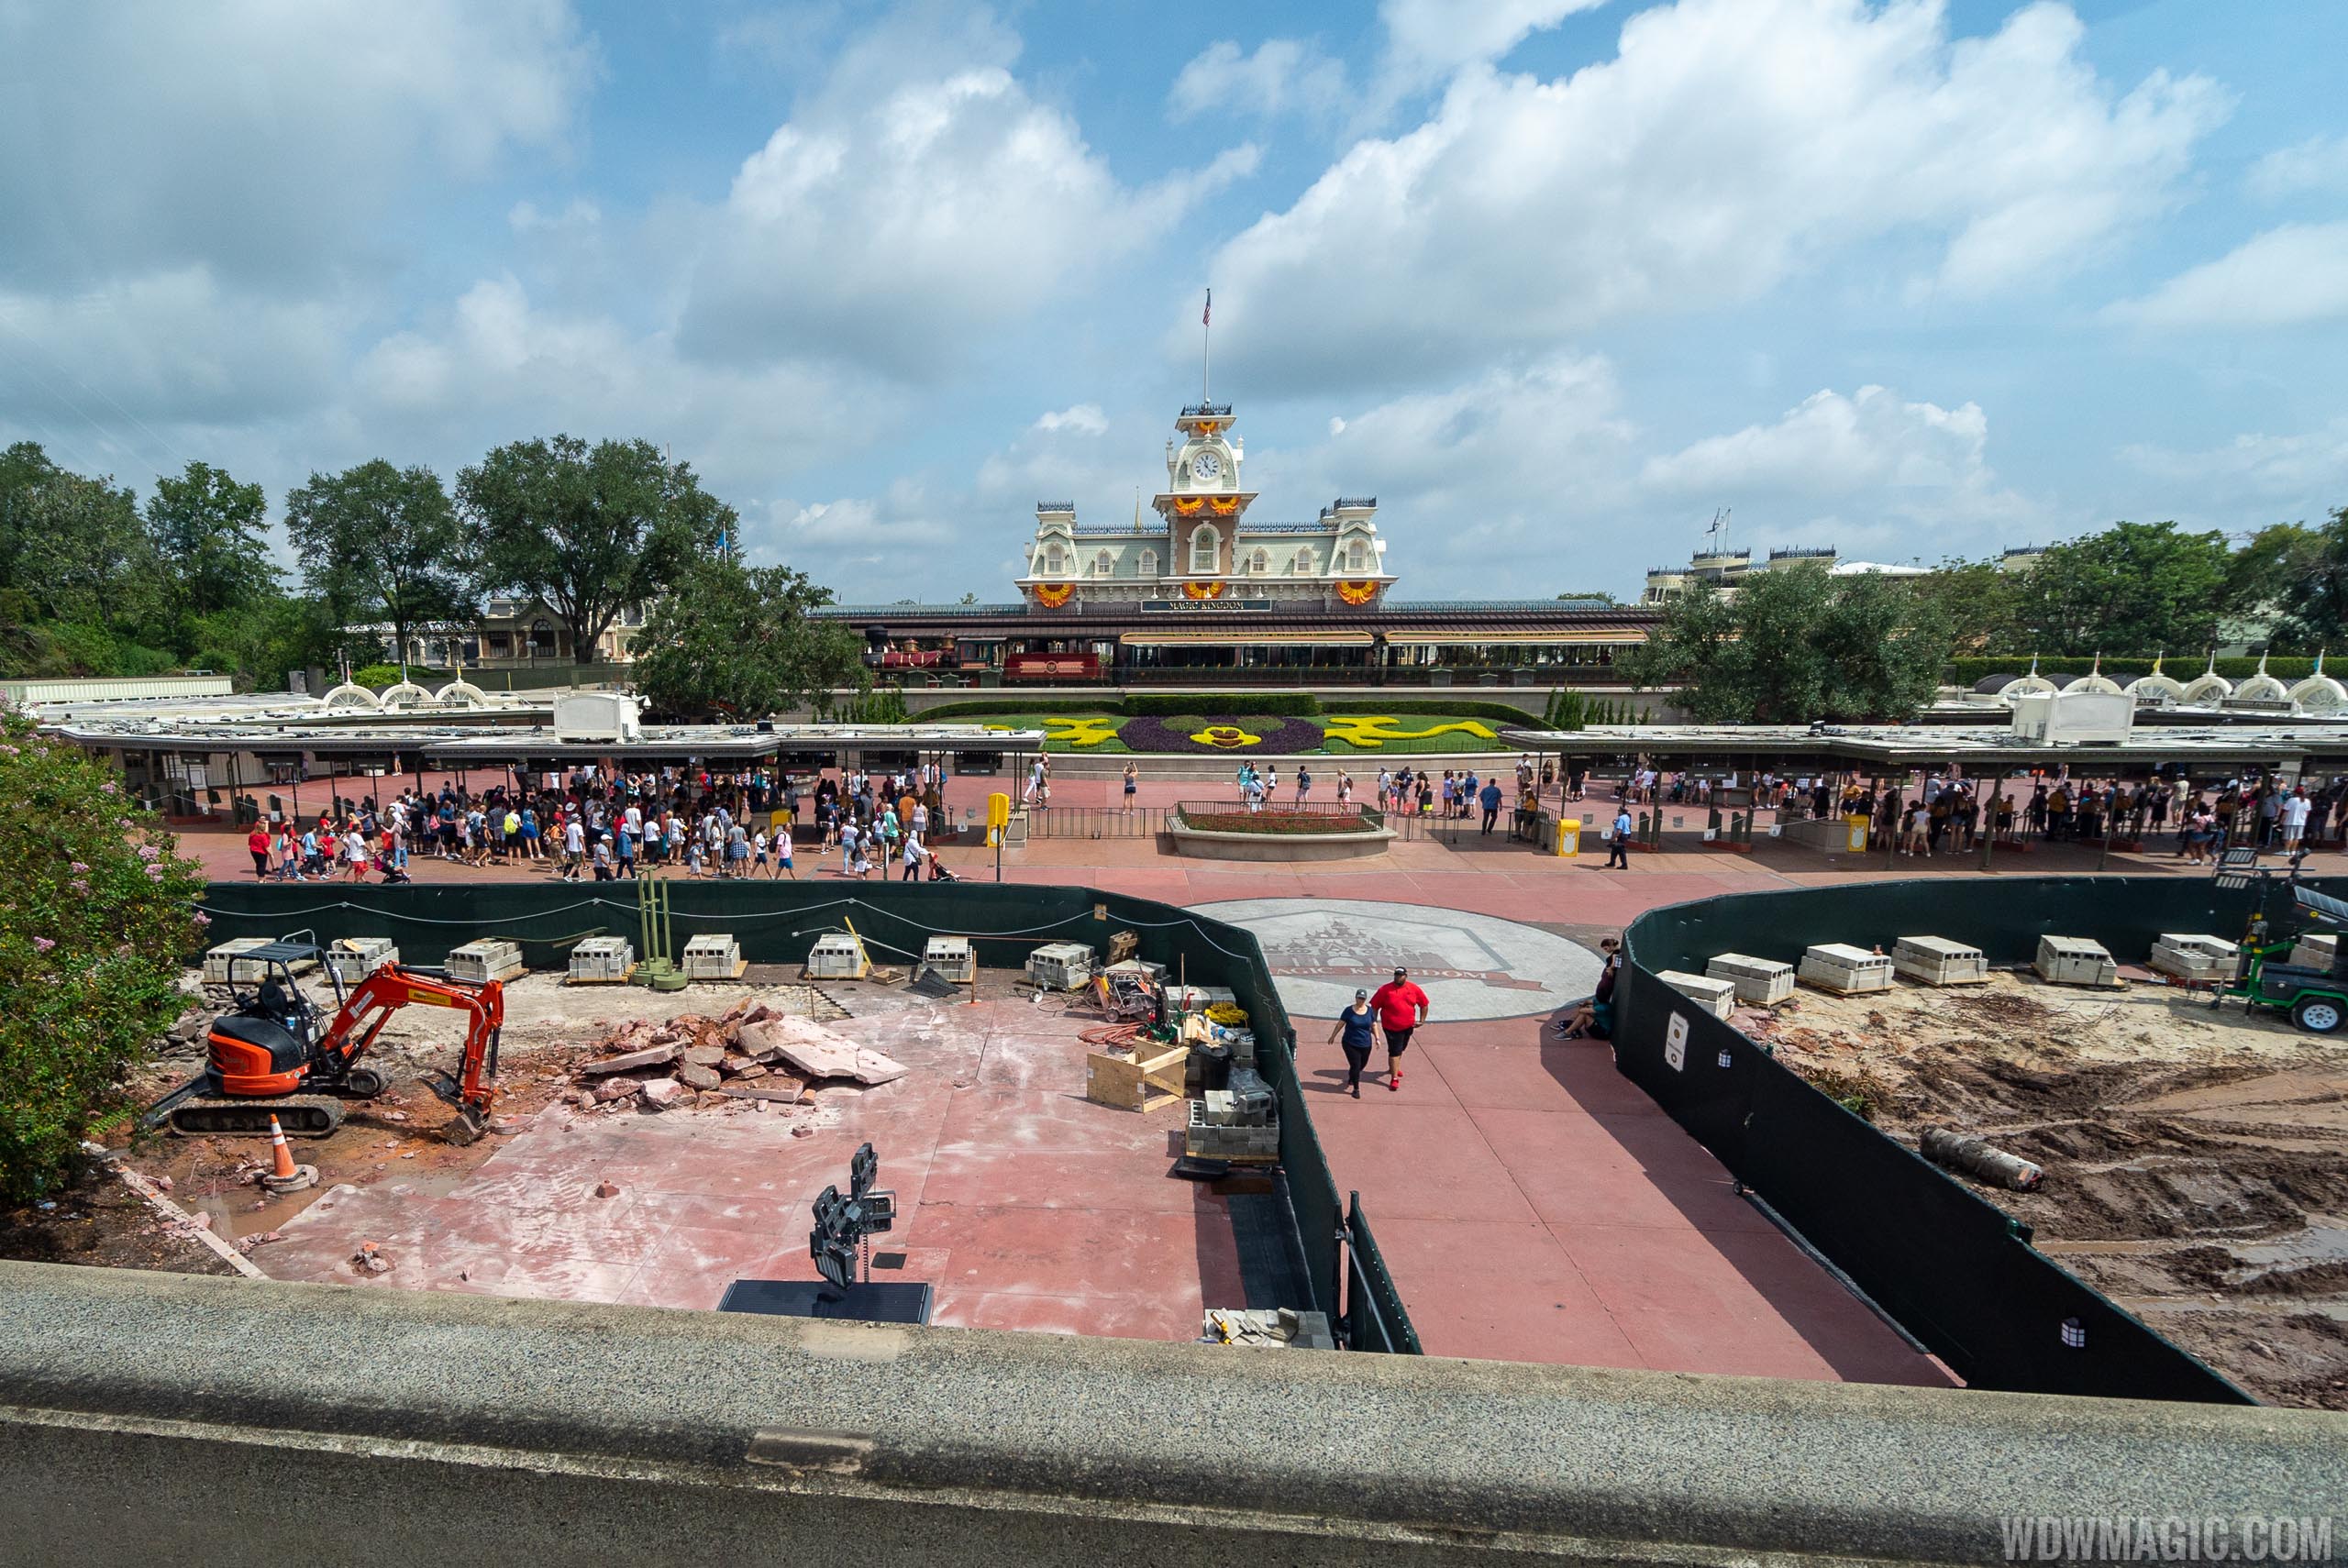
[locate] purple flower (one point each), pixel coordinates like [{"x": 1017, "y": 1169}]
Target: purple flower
[
  {"x": 80, "y": 865},
  {"x": 154, "y": 873},
  {"x": 203, "y": 919},
  {"x": 149, "y": 852},
  {"x": 80, "y": 885},
  {"x": 42, "y": 945},
  {"x": 109, "y": 788}
]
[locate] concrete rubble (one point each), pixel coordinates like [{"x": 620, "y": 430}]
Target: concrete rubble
[{"x": 751, "y": 1056}]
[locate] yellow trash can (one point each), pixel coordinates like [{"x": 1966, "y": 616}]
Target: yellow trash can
[
  {"x": 1857, "y": 830},
  {"x": 1568, "y": 836}
]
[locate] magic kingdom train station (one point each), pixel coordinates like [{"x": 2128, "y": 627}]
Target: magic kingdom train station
[{"x": 1203, "y": 590}]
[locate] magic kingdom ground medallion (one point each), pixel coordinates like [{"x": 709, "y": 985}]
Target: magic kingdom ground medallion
[{"x": 1471, "y": 965}]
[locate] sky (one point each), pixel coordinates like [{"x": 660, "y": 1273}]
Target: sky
[{"x": 1557, "y": 281}]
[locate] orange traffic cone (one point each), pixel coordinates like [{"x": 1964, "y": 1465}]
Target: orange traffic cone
[{"x": 279, "y": 1150}]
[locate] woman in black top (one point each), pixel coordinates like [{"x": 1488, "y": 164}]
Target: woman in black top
[
  {"x": 1596, "y": 1016},
  {"x": 1358, "y": 1025}
]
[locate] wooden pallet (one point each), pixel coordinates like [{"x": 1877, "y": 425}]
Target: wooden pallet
[
  {"x": 619, "y": 979},
  {"x": 1840, "y": 990},
  {"x": 1129, "y": 1083},
  {"x": 741, "y": 968}
]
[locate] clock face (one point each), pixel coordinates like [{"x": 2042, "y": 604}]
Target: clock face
[{"x": 1206, "y": 466}]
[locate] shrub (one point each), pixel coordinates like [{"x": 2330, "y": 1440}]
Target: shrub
[
  {"x": 1016, "y": 707},
  {"x": 1174, "y": 704},
  {"x": 95, "y": 920}
]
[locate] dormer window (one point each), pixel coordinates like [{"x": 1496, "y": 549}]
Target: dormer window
[
  {"x": 1145, "y": 564},
  {"x": 1356, "y": 558},
  {"x": 1303, "y": 567},
  {"x": 1054, "y": 561},
  {"x": 1103, "y": 566},
  {"x": 1259, "y": 563}
]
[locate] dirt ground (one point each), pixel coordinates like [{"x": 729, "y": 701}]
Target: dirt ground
[
  {"x": 2193, "y": 1158},
  {"x": 549, "y": 1026}
]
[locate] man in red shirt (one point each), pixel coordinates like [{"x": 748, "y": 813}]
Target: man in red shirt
[{"x": 1402, "y": 1007}]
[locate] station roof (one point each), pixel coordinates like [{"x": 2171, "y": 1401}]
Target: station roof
[
  {"x": 1903, "y": 746},
  {"x": 488, "y": 747}
]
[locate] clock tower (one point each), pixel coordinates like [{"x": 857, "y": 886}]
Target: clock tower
[{"x": 1202, "y": 503}]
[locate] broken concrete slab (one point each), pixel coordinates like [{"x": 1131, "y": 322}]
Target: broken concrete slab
[
  {"x": 817, "y": 1052},
  {"x": 654, "y": 1056},
  {"x": 611, "y": 1089},
  {"x": 785, "y": 1091},
  {"x": 705, "y": 1055},
  {"x": 695, "y": 1075},
  {"x": 661, "y": 1093}
]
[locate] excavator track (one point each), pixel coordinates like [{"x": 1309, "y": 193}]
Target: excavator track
[{"x": 302, "y": 1116}]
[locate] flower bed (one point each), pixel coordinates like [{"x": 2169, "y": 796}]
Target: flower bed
[
  {"x": 1275, "y": 821},
  {"x": 1211, "y": 734}
]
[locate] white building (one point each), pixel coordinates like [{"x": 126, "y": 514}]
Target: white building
[{"x": 1200, "y": 547}]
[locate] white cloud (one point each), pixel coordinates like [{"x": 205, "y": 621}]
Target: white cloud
[
  {"x": 2285, "y": 277},
  {"x": 2317, "y": 164},
  {"x": 1083, "y": 419},
  {"x": 1731, "y": 144},
  {"x": 259, "y": 138},
  {"x": 891, "y": 230},
  {"x": 1426, "y": 40},
  {"x": 2310, "y": 471},
  {"x": 1282, "y": 76},
  {"x": 1832, "y": 446}
]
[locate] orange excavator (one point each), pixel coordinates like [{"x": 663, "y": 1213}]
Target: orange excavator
[{"x": 274, "y": 1054}]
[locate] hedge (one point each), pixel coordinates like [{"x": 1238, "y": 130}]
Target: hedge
[
  {"x": 1008, "y": 707},
  {"x": 1448, "y": 708},
  {"x": 1174, "y": 704},
  {"x": 1971, "y": 669}
]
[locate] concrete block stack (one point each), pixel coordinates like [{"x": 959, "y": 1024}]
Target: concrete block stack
[
  {"x": 1847, "y": 970},
  {"x": 1715, "y": 997},
  {"x": 1061, "y": 966},
  {"x": 2314, "y": 949},
  {"x": 952, "y": 956},
  {"x": 219, "y": 962},
  {"x": 601, "y": 958},
  {"x": 1759, "y": 981},
  {"x": 714, "y": 957},
  {"x": 1241, "y": 1122},
  {"x": 491, "y": 958},
  {"x": 837, "y": 956},
  {"x": 2194, "y": 957},
  {"x": 353, "y": 958},
  {"x": 2075, "y": 961},
  {"x": 1937, "y": 961}
]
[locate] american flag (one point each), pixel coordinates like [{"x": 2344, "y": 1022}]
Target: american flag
[{"x": 1207, "y": 316}]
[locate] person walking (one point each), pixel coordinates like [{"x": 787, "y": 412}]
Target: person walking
[
  {"x": 2294, "y": 818},
  {"x": 1490, "y": 798},
  {"x": 783, "y": 851},
  {"x": 257, "y": 845},
  {"x": 1303, "y": 782},
  {"x": 1401, "y": 1008},
  {"x": 1357, "y": 1032},
  {"x": 1618, "y": 843},
  {"x": 1133, "y": 784}
]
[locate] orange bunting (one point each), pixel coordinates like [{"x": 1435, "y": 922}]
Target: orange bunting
[
  {"x": 1052, "y": 595},
  {"x": 1226, "y": 506},
  {"x": 1190, "y": 507},
  {"x": 1356, "y": 593},
  {"x": 1203, "y": 590}
]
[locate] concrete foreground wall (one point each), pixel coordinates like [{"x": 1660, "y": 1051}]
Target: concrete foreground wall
[{"x": 150, "y": 1419}]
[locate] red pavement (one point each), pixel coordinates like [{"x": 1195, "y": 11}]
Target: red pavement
[{"x": 1533, "y": 1203}]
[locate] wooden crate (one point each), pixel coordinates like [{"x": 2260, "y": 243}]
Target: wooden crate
[{"x": 1128, "y": 1083}]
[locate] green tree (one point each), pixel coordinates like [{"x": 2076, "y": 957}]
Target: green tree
[
  {"x": 1979, "y": 602},
  {"x": 588, "y": 532},
  {"x": 1601, "y": 595},
  {"x": 74, "y": 547},
  {"x": 1796, "y": 644},
  {"x": 739, "y": 641},
  {"x": 211, "y": 534},
  {"x": 380, "y": 543},
  {"x": 2135, "y": 588},
  {"x": 2309, "y": 582},
  {"x": 96, "y": 919}
]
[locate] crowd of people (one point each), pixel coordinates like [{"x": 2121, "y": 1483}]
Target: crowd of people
[{"x": 594, "y": 823}]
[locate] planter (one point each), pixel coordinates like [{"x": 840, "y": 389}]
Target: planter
[{"x": 1215, "y": 833}]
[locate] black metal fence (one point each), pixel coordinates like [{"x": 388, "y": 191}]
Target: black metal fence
[
  {"x": 1096, "y": 821},
  {"x": 777, "y": 923},
  {"x": 1950, "y": 1267}
]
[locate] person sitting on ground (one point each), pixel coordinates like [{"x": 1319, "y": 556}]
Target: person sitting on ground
[{"x": 1593, "y": 1018}]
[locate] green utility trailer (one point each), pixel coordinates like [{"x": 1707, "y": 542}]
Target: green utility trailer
[{"x": 2315, "y": 997}]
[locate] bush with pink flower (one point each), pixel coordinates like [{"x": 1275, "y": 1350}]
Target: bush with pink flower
[{"x": 98, "y": 921}]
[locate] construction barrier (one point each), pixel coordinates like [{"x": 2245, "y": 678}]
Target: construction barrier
[
  {"x": 777, "y": 923},
  {"x": 1949, "y": 1266}
]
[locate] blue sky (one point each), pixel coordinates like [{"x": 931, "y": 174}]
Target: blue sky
[{"x": 1555, "y": 280}]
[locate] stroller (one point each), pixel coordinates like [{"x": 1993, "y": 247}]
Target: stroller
[{"x": 937, "y": 872}]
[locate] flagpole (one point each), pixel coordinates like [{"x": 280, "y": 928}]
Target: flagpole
[{"x": 1206, "y": 350}]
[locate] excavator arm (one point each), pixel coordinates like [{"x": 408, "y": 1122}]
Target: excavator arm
[{"x": 370, "y": 1007}]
